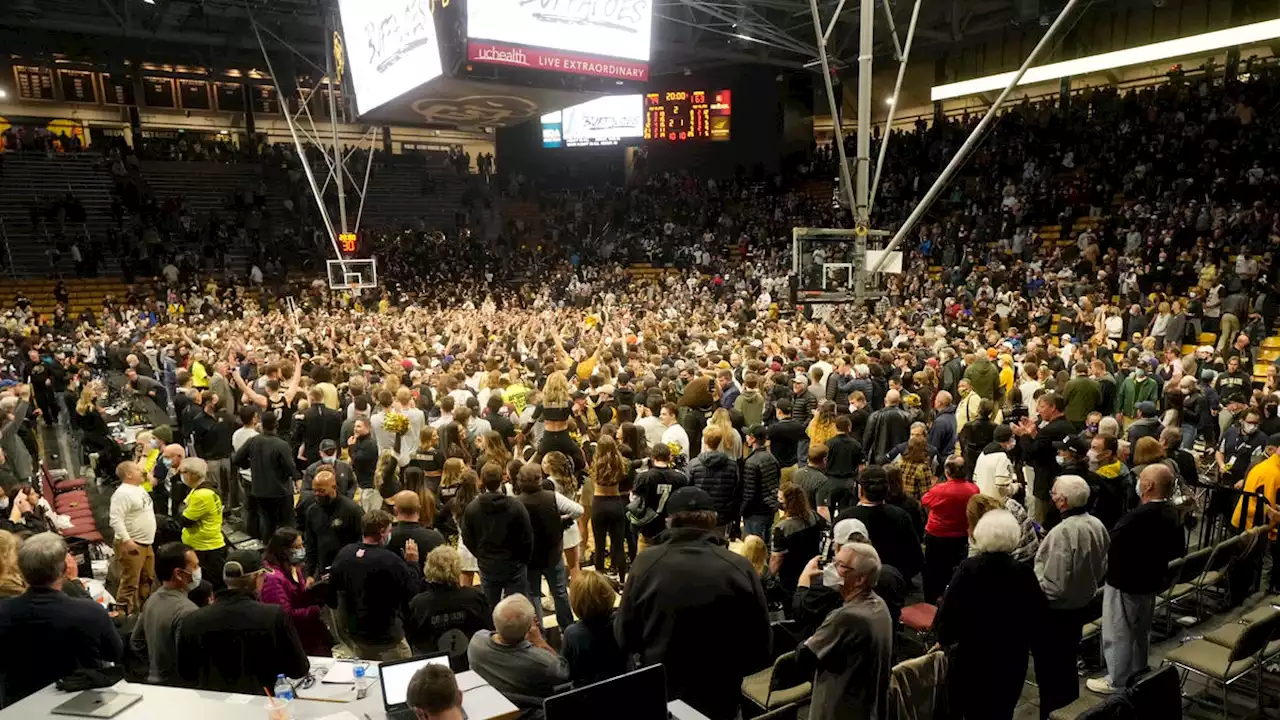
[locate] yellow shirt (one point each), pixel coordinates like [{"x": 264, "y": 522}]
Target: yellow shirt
[
  {"x": 205, "y": 508},
  {"x": 1263, "y": 478},
  {"x": 148, "y": 464},
  {"x": 516, "y": 395},
  {"x": 199, "y": 375}
]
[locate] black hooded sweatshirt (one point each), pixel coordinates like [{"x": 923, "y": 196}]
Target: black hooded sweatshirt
[{"x": 497, "y": 530}]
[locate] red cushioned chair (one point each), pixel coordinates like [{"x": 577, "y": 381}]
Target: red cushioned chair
[
  {"x": 919, "y": 619},
  {"x": 69, "y": 484}
]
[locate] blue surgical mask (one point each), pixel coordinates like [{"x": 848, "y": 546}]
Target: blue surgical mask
[
  {"x": 298, "y": 555},
  {"x": 328, "y": 459},
  {"x": 166, "y": 462}
]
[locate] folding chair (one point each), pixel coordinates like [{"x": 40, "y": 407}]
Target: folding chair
[{"x": 1223, "y": 666}]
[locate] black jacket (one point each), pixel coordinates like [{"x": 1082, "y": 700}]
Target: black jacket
[
  {"x": 717, "y": 473},
  {"x": 271, "y": 466},
  {"x": 373, "y": 587},
  {"x": 326, "y": 529},
  {"x": 364, "y": 460},
  {"x": 678, "y": 594},
  {"x": 655, "y": 485},
  {"x": 1040, "y": 454},
  {"x": 441, "y": 612},
  {"x": 844, "y": 455},
  {"x": 802, "y": 407},
  {"x": 428, "y": 539},
  {"x": 498, "y": 531},
  {"x": 1143, "y": 544},
  {"x": 318, "y": 423},
  {"x": 784, "y": 440},
  {"x": 760, "y": 478},
  {"x": 886, "y": 428},
  {"x": 50, "y": 635},
  {"x": 892, "y": 534},
  {"x": 212, "y": 435},
  {"x": 239, "y": 645},
  {"x": 548, "y": 530}
]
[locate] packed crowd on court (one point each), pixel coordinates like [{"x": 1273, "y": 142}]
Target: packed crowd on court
[{"x": 451, "y": 461}]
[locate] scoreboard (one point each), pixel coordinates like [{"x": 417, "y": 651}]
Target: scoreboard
[{"x": 681, "y": 115}]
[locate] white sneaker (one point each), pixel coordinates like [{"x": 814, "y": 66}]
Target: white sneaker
[{"x": 1100, "y": 685}]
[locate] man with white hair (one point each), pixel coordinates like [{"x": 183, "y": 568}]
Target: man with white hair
[
  {"x": 1070, "y": 566},
  {"x": 851, "y": 653},
  {"x": 513, "y": 657},
  {"x": 1142, "y": 545}
]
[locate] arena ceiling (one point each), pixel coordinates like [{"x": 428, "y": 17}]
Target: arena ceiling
[{"x": 689, "y": 34}]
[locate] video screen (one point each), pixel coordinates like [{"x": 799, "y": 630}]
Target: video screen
[
  {"x": 603, "y": 121},
  {"x": 390, "y": 47},
  {"x": 606, "y": 39}
]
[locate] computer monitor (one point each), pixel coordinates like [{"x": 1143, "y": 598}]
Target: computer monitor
[
  {"x": 395, "y": 676},
  {"x": 637, "y": 695}
]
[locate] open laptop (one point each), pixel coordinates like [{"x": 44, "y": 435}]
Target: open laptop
[
  {"x": 637, "y": 695},
  {"x": 394, "y": 677},
  {"x": 97, "y": 704}
]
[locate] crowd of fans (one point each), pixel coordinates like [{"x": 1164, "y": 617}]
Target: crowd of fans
[{"x": 505, "y": 433}]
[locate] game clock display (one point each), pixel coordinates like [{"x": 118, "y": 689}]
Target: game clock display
[{"x": 681, "y": 115}]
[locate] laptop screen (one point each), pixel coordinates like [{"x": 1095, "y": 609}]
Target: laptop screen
[
  {"x": 396, "y": 676},
  {"x": 637, "y": 695}
]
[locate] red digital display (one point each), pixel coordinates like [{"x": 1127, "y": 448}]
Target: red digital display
[{"x": 680, "y": 115}]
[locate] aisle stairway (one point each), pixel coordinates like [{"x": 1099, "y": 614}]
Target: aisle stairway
[{"x": 26, "y": 177}]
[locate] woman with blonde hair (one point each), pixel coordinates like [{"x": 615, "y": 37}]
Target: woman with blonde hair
[
  {"x": 756, "y": 553},
  {"x": 732, "y": 443},
  {"x": 428, "y": 457},
  {"x": 96, "y": 436},
  {"x": 556, "y": 412},
  {"x": 445, "y": 606},
  {"x": 823, "y": 425},
  {"x": 557, "y": 468},
  {"x": 11, "y": 582},
  {"x": 468, "y": 489},
  {"x": 386, "y": 477},
  {"x": 590, "y": 646},
  {"x": 609, "y": 471},
  {"x": 492, "y": 449}
]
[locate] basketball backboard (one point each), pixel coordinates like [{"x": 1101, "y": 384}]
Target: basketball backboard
[{"x": 353, "y": 274}]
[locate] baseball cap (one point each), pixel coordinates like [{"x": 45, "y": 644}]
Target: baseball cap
[
  {"x": 1147, "y": 408},
  {"x": 758, "y": 431},
  {"x": 1274, "y": 440},
  {"x": 689, "y": 499},
  {"x": 1074, "y": 443},
  {"x": 1002, "y": 433},
  {"x": 242, "y": 564},
  {"x": 327, "y": 445},
  {"x": 800, "y": 380},
  {"x": 846, "y": 528}
]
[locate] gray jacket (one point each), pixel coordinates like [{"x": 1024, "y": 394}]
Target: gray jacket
[{"x": 1072, "y": 561}]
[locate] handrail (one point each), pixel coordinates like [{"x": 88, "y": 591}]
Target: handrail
[{"x": 4, "y": 232}]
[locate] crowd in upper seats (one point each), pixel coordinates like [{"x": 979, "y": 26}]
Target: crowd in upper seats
[{"x": 450, "y": 460}]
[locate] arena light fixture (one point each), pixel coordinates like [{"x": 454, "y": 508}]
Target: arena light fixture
[{"x": 1155, "y": 52}]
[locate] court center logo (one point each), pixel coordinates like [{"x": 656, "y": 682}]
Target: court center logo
[{"x": 494, "y": 110}]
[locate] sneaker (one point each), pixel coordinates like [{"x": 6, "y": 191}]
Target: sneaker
[
  {"x": 1100, "y": 685},
  {"x": 548, "y": 604}
]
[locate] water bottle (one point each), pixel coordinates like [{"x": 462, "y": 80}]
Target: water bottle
[
  {"x": 283, "y": 690},
  {"x": 362, "y": 683}
]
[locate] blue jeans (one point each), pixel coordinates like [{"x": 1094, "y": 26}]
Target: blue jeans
[
  {"x": 1126, "y": 633},
  {"x": 1189, "y": 433},
  {"x": 495, "y": 586},
  {"x": 559, "y": 592},
  {"x": 759, "y": 525}
]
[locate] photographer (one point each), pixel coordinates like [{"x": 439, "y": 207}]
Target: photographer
[{"x": 818, "y": 592}]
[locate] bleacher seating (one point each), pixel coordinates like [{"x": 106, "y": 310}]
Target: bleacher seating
[
  {"x": 396, "y": 195},
  {"x": 27, "y": 177}
]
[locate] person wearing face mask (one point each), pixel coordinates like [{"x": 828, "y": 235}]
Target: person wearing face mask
[
  {"x": 850, "y": 656},
  {"x": 329, "y": 459},
  {"x": 1135, "y": 389},
  {"x": 1110, "y": 483},
  {"x": 372, "y": 587},
  {"x": 330, "y": 523},
  {"x": 239, "y": 644},
  {"x": 201, "y": 519},
  {"x": 995, "y": 462},
  {"x": 1240, "y": 443},
  {"x": 156, "y": 632},
  {"x": 285, "y": 584}
]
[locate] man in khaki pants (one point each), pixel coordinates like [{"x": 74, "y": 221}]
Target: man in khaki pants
[{"x": 133, "y": 520}]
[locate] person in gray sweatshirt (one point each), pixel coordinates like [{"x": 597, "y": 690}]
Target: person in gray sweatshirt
[{"x": 1071, "y": 565}]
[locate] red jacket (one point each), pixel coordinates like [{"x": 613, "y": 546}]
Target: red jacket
[{"x": 947, "y": 502}]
